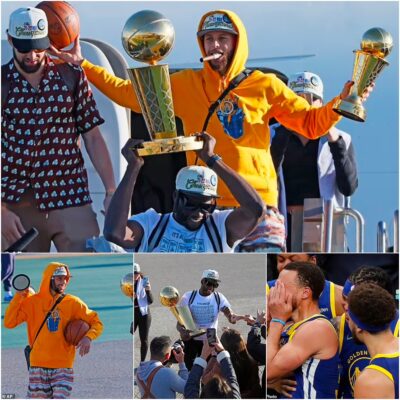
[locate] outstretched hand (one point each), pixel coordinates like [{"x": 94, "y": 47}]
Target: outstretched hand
[
  {"x": 347, "y": 90},
  {"x": 73, "y": 56}
]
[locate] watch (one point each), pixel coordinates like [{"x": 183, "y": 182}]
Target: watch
[{"x": 212, "y": 160}]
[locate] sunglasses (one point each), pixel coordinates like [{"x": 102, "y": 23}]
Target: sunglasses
[
  {"x": 309, "y": 97},
  {"x": 28, "y": 51},
  {"x": 191, "y": 205},
  {"x": 208, "y": 282}
]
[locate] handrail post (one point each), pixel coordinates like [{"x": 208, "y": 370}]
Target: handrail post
[
  {"x": 327, "y": 226},
  {"x": 381, "y": 239},
  {"x": 396, "y": 232}
]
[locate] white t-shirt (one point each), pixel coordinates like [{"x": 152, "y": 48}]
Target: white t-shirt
[
  {"x": 204, "y": 309},
  {"x": 178, "y": 239}
]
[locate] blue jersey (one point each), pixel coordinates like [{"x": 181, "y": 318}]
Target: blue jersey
[
  {"x": 387, "y": 364},
  {"x": 326, "y": 301},
  {"x": 315, "y": 379},
  {"x": 354, "y": 357}
]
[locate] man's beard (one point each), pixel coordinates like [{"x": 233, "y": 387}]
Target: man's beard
[
  {"x": 27, "y": 69},
  {"x": 222, "y": 69}
]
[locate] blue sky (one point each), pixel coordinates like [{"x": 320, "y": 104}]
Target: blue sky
[{"x": 331, "y": 30}]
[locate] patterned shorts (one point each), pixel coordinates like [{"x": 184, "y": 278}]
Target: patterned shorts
[
  {"x": 269, "y": 235},
  {"x": 50, "y": 383}
]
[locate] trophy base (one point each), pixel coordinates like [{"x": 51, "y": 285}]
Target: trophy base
[
  {"x": 197, "y": 333},
  {"x": 170, "y": 145},
  {"x": 351, "y": 110}
]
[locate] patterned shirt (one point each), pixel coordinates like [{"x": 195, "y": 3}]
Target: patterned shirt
[{"x": 39, "y": 137}]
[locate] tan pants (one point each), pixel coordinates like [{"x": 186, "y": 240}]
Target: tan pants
[{"x": 67, "y": 228}]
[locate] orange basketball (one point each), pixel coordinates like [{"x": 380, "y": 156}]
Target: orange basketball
[
  {"x": 63, "y": 22},
  {"x": 75, "y": 331}
]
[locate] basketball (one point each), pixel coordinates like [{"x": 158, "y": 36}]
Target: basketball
[
  {"x": 63, "y": 22},
  {"x": 75, "y": 331}
]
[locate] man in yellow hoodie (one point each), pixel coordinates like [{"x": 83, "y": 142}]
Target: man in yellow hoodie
[
  {"x": 240, "y": 125},
  {"x": 52, "y": 357}
]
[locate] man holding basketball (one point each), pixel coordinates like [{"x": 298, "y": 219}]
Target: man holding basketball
[
  {"x": 47, "y": 108},
  {"x": 52, "y": 357}
]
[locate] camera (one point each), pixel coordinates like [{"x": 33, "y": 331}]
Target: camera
[{"x": 178, "y": 346}]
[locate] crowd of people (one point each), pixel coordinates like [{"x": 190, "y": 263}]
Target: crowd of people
[
  {"x": 44, "y": 180},
  {"x": 208, "y": 366},
  {"x": 318, "y": 350}
]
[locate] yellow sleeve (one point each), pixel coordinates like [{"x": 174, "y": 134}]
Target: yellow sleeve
[
  {"x": 118, "y": 90},
  {"x": 296, "y": 114},
  {"x": 83, "y": 312},
  {"x": 16, "y": 312}
]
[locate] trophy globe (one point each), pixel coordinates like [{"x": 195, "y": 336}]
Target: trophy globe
[
  {"x": 126, "y": 285},
  {"x": 148, "y": 37}
]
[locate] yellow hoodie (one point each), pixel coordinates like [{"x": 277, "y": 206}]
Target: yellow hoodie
[
  {"x": 50, "y": 349},
  {"x": 260, "y": 97}
]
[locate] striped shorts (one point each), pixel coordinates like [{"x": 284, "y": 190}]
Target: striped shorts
[
  {"x": 50, "y": 383},
  {"x": 268, "y": 236}
]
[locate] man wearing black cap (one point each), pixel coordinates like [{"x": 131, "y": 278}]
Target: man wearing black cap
[{"x": 45, "y": 109}]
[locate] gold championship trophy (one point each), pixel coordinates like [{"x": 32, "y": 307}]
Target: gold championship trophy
[
  {"x": 169, "y": 297},
  {"x": 126, "y": 285},
  {"x": 148, "y": 37},
  {"x": 376, "y": 44}
]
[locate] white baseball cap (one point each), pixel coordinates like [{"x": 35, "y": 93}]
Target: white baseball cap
[
  {"x": 136, "y": 267},
  {"x": 211, "y": 274},
  {"x": 60, "y": 271},
  {"x": 217, "y": 22},
  {"x": 197, "y": 180},
  {"x": 28, "y": 29},
  {"x": 307, "y": 82}
]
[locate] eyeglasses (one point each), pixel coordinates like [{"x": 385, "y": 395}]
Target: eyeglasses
[
  {"x": 28, "y": 51},
  {"x": 209, "y": 282},
  {"x": 191, "y": 205}
]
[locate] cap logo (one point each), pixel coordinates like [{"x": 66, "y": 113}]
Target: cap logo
[
  {"x": 314, "y": 81},
  {"x": 29, "y": 30},
  {"x": 218, "y": 22},
  {"x": 41, "y": 24},
  {"x": 201, "y": 183},
  {"x": 306, "y": 83},
  {"x": 60, "y": 271}
]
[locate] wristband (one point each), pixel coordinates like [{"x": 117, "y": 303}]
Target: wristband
[
  {"x": 280, "y": 321},
  {"x": 212, "y": 160}
]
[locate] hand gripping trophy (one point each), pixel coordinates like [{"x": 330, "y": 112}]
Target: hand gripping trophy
[
  {"x": 369, "y": 62},
  {"x": 169, "y": 297},
  {"x": 149, "y": 37}
]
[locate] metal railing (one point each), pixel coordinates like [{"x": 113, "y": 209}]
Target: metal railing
[
  {"x": 396, "y": 231},
  {"x": 328, "y": 225},
  {"x": 382, "y": 237}
]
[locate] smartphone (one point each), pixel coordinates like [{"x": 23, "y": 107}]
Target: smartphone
[
  {"x": 145, "y": 280},
  {"x": 211, "y": 336}
]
